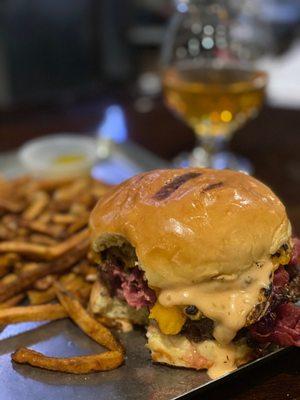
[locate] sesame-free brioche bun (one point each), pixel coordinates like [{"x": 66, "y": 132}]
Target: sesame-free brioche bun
[{"x": 188, "y": 225}]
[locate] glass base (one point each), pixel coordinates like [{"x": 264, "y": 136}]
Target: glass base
[{"x": 221, "y": 160}]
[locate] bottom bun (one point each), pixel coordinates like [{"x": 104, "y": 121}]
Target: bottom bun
[{"x": 178, "y": 351}]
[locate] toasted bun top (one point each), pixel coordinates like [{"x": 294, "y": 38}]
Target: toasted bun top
[{"x": 188, "y": 225}]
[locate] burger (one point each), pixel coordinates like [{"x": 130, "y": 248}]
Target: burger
[{"x": 204, "y": 259}]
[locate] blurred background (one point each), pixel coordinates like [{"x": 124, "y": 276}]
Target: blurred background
[
  {"x": 93, "y": 67},
  {"x": 58, "y": 51}
]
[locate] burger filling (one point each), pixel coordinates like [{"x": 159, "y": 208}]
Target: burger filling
[
  {"x": 124, "y": 279},
  {"x": 276, "y": 319}
]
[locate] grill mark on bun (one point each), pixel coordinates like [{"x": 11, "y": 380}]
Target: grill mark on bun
[
  {"x": 165, "y": 191},
  {"x": 213, "y": 186}
]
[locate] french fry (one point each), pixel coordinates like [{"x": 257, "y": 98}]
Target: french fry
[
  {"x": 24, "y": 248},
  {"x": 88, "y": 272},
  {"x": 79, "y": 224},
  {"x": 44, "y": 252},
  {"x": 71, "y": 191},
  {"x": 99, "y": 189},
  {"x": 38, "y": 204},
  {"x": 74, "y": 365},
  {"x": 13, "y": 301},
  {"x": 11, "y": 206},
  {"x": 78, "y": 209},
  {"x": 29, "y": 267},
  {"x": 42, "y": 239},
  {"x": 18, "y": 266},
  {"x": 6, "y": 234},
  {"x": 54, "y": 231},
  {"x": 51, "y": 183},
  {"x": 6, "y": 262},
  {"x": 71, "y": 282},
  {"x": 85, "y": 321},
  {"x": 64, "y": 219},
  {"x": 45, "y": 312},
  {"x": 37, "y": 297},
  {"x": 9, "y": 279},
  {"x": 40, "y": 297},
  {"x": 36, "y": 215},
  {"x": 27, "y": 278},
  {"x": 44, "y": 283},
  {"x": 45, "y": 217},
  {"x": 84, "y": 269},
  {"x": 10, "y": 222}
]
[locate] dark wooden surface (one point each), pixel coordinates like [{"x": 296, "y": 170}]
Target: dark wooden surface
[{"x": 271, "y": 142}]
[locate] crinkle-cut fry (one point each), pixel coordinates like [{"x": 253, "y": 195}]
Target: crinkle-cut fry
[
  {"x": 39, "y": 202},
  {"x": 39, "y": 238},
  {"x": 64, "y": 219},
  {"x": 85, "y": 321},
  {"x": 73, "y": 365},
  {"x": 13, "y": 301},
  {"x": 45, "y": 312},
  {"x": 27, "y": 278},
  {"x": 12, "y": 206},
  {"x": 44, "y": 252},
  {"x": 55, "y": 231}
]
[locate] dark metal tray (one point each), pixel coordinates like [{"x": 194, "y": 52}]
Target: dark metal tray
[{"x": 137, "y": 379}]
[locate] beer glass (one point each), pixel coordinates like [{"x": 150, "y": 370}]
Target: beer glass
[{"x": 210, "y": 78}]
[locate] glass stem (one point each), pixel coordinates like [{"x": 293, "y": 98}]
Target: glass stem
[
  {"x": 210, "y": 146},
  {"x": 207, "y": 148}
]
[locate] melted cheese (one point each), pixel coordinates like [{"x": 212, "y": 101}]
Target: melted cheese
[
  {"x": 225, "y": 300},
  {"x": 225, "y": 359}
]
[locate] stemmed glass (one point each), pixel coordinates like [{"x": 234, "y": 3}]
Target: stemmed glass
[{"x": 210, "y": 77}]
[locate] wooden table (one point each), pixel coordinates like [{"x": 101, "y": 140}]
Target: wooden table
[{"x": 271, "y": 142}]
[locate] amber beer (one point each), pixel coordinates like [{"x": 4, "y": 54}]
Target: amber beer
[{"x": 214, "y": 102}]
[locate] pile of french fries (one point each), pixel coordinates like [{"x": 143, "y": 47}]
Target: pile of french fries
[{"x": 46, "y": 264}]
